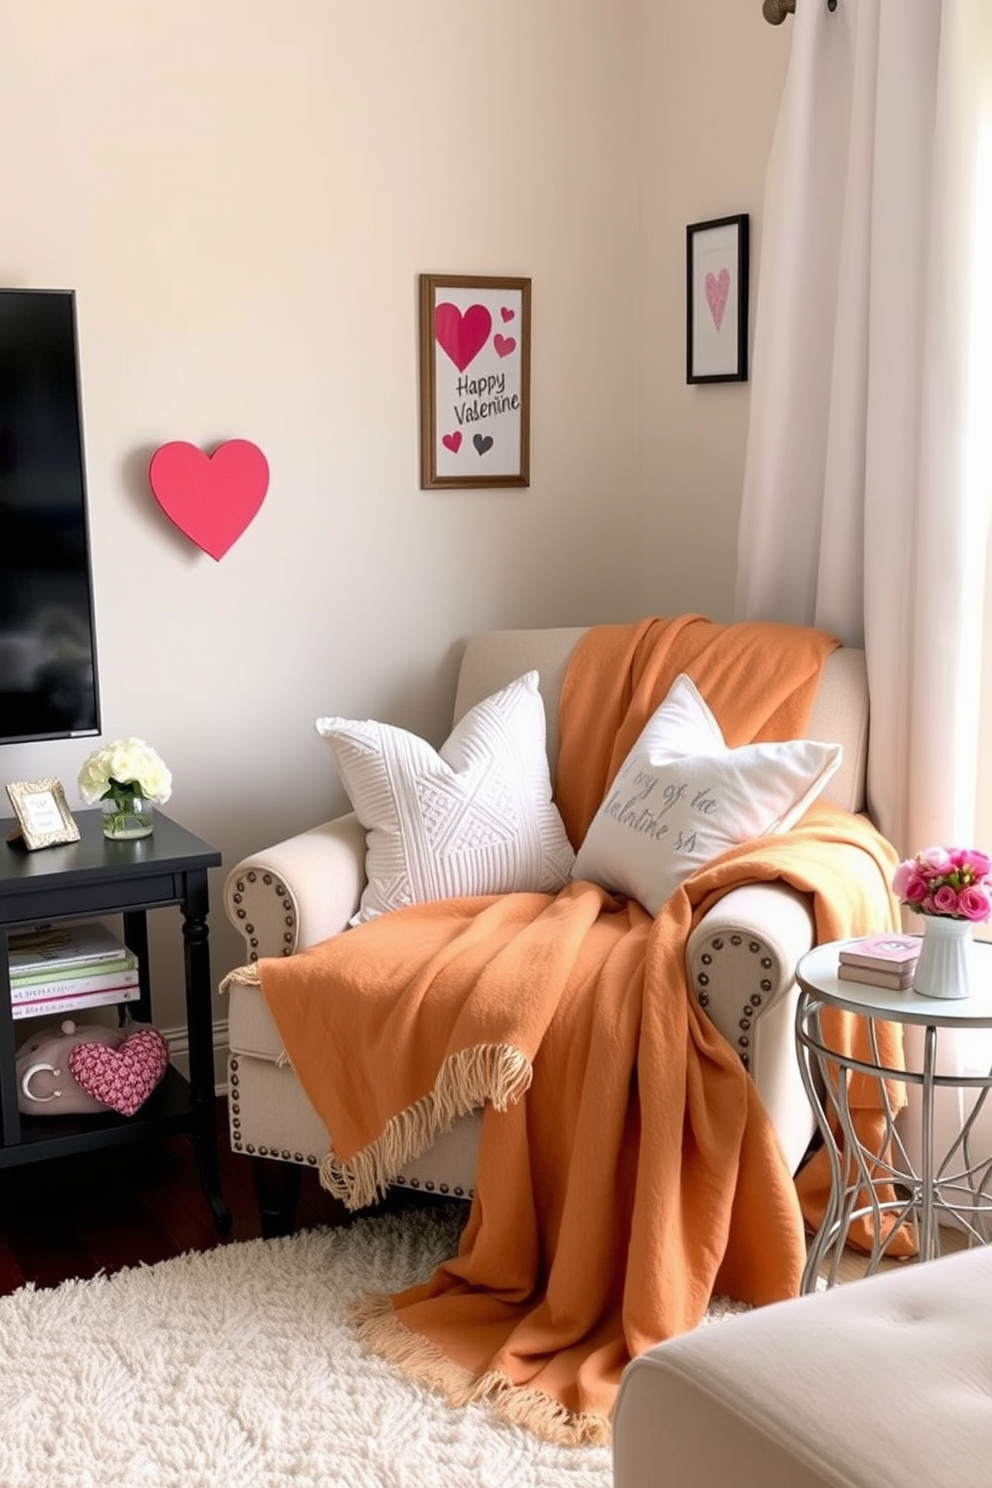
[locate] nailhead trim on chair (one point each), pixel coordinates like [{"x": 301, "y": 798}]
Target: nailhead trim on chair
[
  {"x": 234, "y": 1109},
  {"x": 718, "y": 944},
  {"x": 428, "y": 1186},
  {"x": 279, "y": 889}
]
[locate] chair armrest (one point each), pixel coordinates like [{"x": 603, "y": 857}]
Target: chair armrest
[
  {"x": 741, "y": 962},
  {"x": 299, "y": 891},
  {"x": 742, "y": 955}
]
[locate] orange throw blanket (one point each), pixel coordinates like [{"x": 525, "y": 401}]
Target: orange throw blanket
[{"x": 627, "y": 1168}]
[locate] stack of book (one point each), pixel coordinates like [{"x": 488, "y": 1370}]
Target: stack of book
[
  {"x": 880, "y": 960},
  {"x": 61, "y": 968}
]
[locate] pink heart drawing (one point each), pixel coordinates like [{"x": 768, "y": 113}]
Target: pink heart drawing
[
  {"x": 506, "y": 313},
  {"x": 462, "y": 336},
  {"x": 210, "y": 498},
  {"x": 504, "y": 345},
  {"x": 123, "y": 1078},
  {"x": 717, "y": 291},
  {"x": 452, "y": 441}
]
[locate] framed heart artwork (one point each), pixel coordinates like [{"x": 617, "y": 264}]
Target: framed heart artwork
[
  {"x": 474, "y": 381},
  {"x": 717, "y": 268}
]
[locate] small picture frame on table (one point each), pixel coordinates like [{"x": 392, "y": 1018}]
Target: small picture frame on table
[
  {"x": 716, "y": 299},
  {"x": 43, "y": 816},
  {"x": 474, "y": 381}
]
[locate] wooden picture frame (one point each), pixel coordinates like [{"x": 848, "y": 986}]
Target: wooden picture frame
[
  {"x": 474, "y": 381},
  {"x": 43, "y": 815},
  {"x": 717, "y": 267}
]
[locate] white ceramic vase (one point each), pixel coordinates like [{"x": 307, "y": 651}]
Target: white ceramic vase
[{"x": 944, "y": 967}]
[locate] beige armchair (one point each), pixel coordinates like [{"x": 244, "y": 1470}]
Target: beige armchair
[{"x": 741, "y": 958}]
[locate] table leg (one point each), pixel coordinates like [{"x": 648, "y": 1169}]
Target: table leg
[
  {"x": 826, "y": 1235},
  {"x": 201, "y": 1053},
  {"x": 927, "y": 1232},
  {"x": 10, "y": 1119}
]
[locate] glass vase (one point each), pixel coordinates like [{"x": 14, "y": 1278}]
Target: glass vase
[
  {"x": 944, "y": 967},
  {"x": 127, "y": 816}
]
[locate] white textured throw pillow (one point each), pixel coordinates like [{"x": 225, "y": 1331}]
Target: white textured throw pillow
[
  {"x": 682, "y": 796},
  {"x": 475, "y": 817}
]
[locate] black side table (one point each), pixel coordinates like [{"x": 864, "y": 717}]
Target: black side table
[{"x": 93, "y": 877}]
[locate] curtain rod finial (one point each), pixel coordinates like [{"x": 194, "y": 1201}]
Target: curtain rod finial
[{"x": 775, "y": 11}]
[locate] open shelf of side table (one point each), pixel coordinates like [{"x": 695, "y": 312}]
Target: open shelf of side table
[{"x": 94, "y": 877}]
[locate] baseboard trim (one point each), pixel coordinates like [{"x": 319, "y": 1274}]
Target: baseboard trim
[{"x": 178, "y": 1041}]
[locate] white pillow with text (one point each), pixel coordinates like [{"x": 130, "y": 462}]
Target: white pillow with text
[{"x": 682, "y": 796}]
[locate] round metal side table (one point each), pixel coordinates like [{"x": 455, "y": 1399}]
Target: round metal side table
[{"x": 950, "y": 1183}]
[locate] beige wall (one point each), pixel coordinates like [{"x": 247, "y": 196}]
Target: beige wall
[
  {"x": 242, "y": 195},
  {"x": 711, "y": 79}
]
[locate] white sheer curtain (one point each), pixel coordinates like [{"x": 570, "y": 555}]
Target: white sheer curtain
[{"x": 867, "y": 480}]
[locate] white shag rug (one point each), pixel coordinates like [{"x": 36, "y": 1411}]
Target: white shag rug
[{"x": 236, "y": 1367}]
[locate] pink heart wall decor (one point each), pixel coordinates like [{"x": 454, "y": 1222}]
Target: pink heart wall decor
[
  {"x": 717, "y": 292},
  {"x": 210, "y": 498},
  {"x": 123, "y": 1077},
  {"x": 462, "y": 337}
]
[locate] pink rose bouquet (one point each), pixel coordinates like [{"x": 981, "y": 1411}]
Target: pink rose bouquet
[{"x": 948, "y": 881}]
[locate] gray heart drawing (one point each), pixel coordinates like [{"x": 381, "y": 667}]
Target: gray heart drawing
[{"x": 482, "y": 442}]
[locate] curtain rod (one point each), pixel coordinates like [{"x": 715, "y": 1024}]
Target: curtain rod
[{"x": 775, "y": 11}]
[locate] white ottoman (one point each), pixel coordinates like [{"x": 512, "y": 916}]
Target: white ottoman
[{"x": 883, "y": 1382}]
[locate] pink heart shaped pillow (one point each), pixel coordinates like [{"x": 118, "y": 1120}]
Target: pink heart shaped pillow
[{"x": 122, "y": 1077}]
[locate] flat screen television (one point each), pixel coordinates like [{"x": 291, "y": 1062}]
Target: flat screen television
[{"x": 48, "y": 671}]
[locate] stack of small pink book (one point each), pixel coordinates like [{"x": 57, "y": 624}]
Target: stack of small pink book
[{"x": 880, "y": 960}]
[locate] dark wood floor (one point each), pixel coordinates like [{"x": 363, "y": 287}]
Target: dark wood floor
[
  {"x": 101, "y": 1211},
  {"x": 98, "y": 1212}
]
